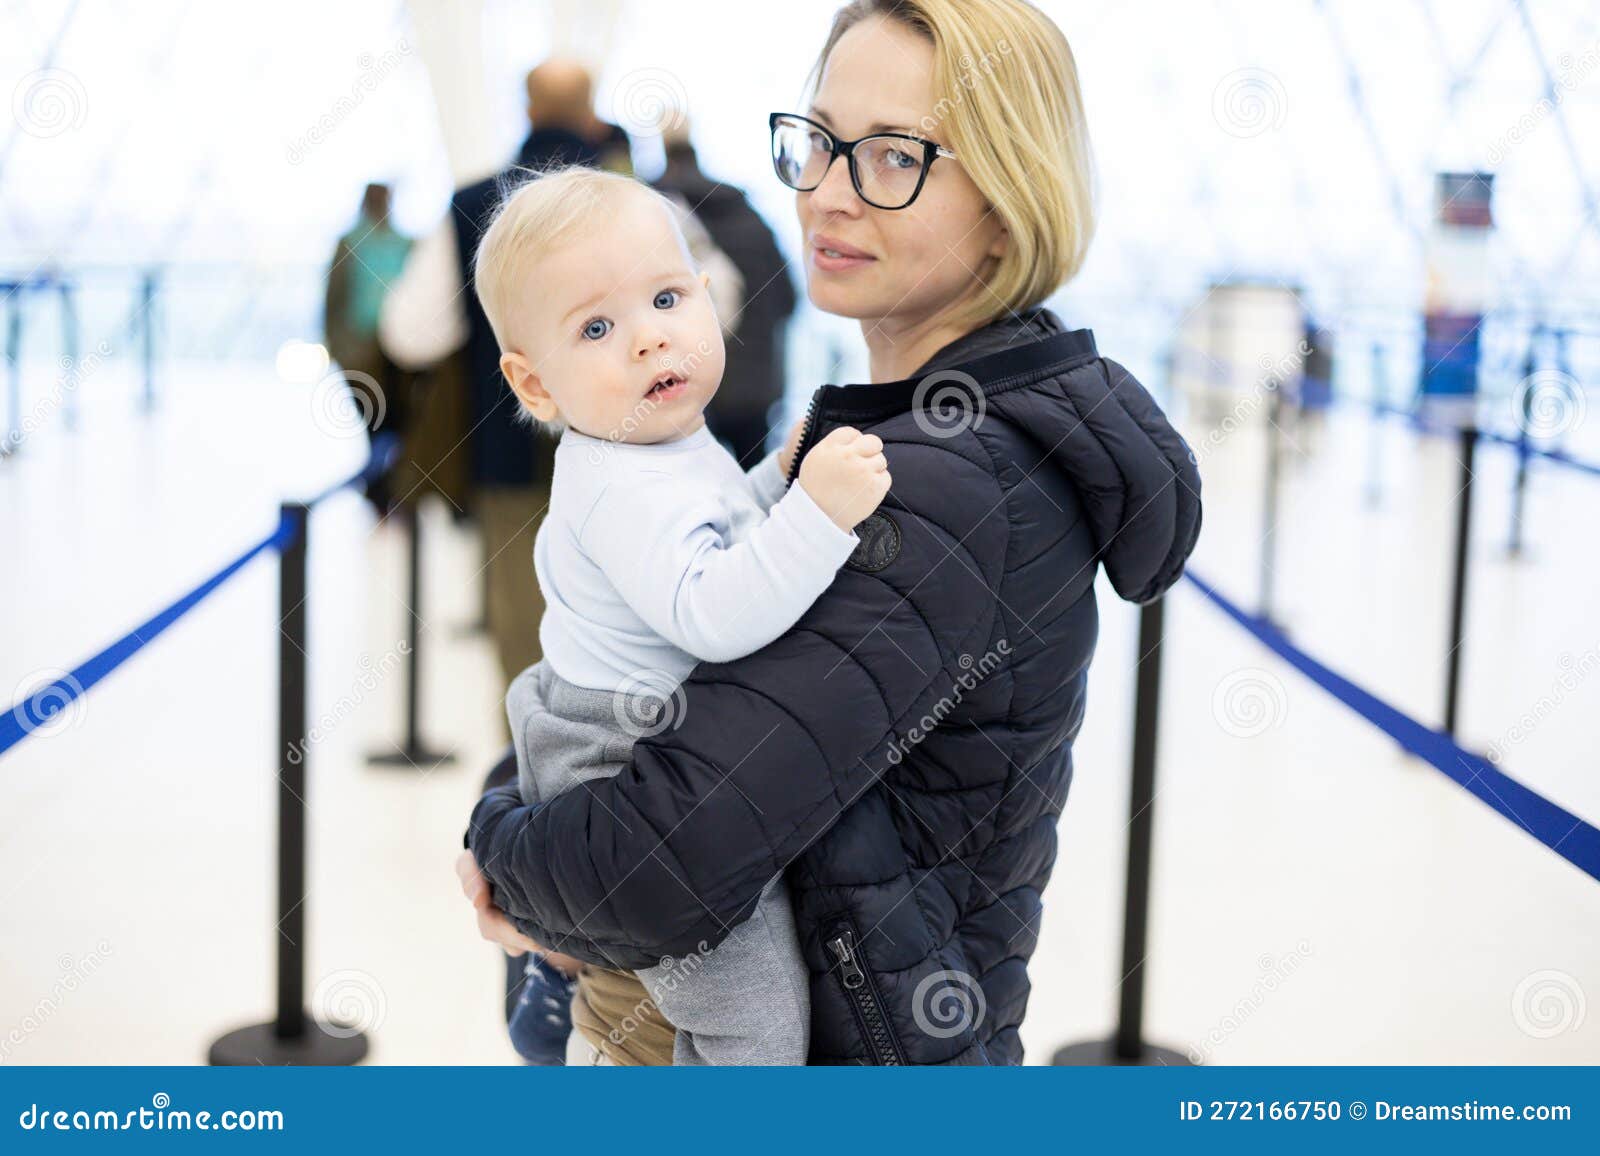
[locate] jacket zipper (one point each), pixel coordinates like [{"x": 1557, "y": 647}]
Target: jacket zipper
[
  {"x": 805, "y": 437},
  {"x": 863, "y": 998}
]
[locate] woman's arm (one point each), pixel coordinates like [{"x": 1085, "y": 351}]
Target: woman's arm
[{"x": 767, "y": 752}]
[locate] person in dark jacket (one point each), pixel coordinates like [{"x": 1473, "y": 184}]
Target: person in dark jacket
[
  {"x": 904, "y": 753},
  {"x": 756, "y": 363}
]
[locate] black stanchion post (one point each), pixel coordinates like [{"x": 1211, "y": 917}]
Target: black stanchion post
[
  {"x": 1128, "y": 1046},
  {"x": 1458, "y": 593},
  {"x": 1519, "y": 490},
  {"x": 293, "y": 1037},
  {"x": 414, "y": 753},
  {"x": 1269, "y": 501}
]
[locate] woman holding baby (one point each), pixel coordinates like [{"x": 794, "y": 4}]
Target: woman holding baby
[{"x": 893, "y": 764}]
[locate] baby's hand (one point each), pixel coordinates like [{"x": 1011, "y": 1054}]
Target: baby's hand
[{"x": 846, "y": 475}]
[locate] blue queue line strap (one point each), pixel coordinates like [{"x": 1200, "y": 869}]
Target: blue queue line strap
[
  {"x": 1526, "y": 445},
  {"x": 39, "y": 707},
  {"x": 1575, "y": 840},
  {"x": 1520, "y": 444},
  {"x": 46, "y": 701},
  {"x": 385, "y": 450}
]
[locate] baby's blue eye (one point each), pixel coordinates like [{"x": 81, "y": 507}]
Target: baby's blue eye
[
  {"x": 596, "y": 329},
  {"x": 670, "y": 295}
]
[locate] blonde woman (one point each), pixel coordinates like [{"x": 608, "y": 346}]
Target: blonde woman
[{"x": 903, "y": 754}]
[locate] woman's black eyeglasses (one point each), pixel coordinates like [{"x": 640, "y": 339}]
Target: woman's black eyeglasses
[{"x": 887, "y": 169}]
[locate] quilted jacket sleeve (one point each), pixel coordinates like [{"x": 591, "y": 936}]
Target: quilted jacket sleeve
[{"x": 764, "y": 754}]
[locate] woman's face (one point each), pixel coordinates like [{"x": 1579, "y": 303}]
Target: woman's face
[{"x": 915, "y": 262}]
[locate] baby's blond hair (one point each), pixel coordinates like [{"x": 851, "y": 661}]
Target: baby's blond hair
[{"x": 535, "y": 215}]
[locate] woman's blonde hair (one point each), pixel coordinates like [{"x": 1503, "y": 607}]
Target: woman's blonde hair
[{"x": 1010, "y": 108}]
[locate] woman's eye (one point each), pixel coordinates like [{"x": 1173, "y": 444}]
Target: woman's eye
[
  {"x": 819, "y": 142},
  {"x": 900, "y": 159},
  {"x": 667, "y": 298},
  {"x": 596, "y": 329}
]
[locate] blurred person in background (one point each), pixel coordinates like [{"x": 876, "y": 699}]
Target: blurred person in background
[
  {"x": 754, "y": 379},
  {"x": 366, "y": 261},
  {"x": 432, "y": 320}
]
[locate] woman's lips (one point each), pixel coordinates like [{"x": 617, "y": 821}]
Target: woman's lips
[{"x": 832, "y": 256}]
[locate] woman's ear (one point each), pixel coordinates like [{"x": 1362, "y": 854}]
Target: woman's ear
[
  {"x": 529, "y": 389},
  {"x": 705, "y": 280},
  {"x": 1001, "y": 242}
]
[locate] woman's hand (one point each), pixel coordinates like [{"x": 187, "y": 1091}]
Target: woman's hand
[{"x": 492, "y": 922}]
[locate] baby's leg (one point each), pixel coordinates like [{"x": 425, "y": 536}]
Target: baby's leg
[{"x": 745, "y": 1001}]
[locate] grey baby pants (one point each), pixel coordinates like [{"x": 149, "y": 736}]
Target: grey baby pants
[{"x": 745, "y": 1001}]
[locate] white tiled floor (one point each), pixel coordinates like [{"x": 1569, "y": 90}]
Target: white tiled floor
[{"x": 1318, "y": 896}]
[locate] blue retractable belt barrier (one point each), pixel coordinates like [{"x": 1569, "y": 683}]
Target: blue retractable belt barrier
[
  {"x": 1572, "y": 838},
  {"x": 45, "y": 702}
]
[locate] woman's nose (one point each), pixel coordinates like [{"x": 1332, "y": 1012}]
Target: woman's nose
[{"x": 836, "y": 194}]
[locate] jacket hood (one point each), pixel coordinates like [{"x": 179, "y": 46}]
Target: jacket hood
[{"x": 1136, "y": 476}]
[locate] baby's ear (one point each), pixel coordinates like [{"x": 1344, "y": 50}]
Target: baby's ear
[{"x": 529, "y": 389}]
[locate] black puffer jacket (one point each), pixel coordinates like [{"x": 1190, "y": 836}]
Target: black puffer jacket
[{"x": 904, "y": 752}]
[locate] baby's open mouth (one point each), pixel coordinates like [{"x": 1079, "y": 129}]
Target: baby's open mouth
[{"x": 666, "y": 383}]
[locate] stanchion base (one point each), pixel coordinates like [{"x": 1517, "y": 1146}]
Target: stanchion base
[
  {"x": 418, "y": 758},
  {"x": 261, "y": 1044},
  {"x": 1103, "y": 1054}
]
